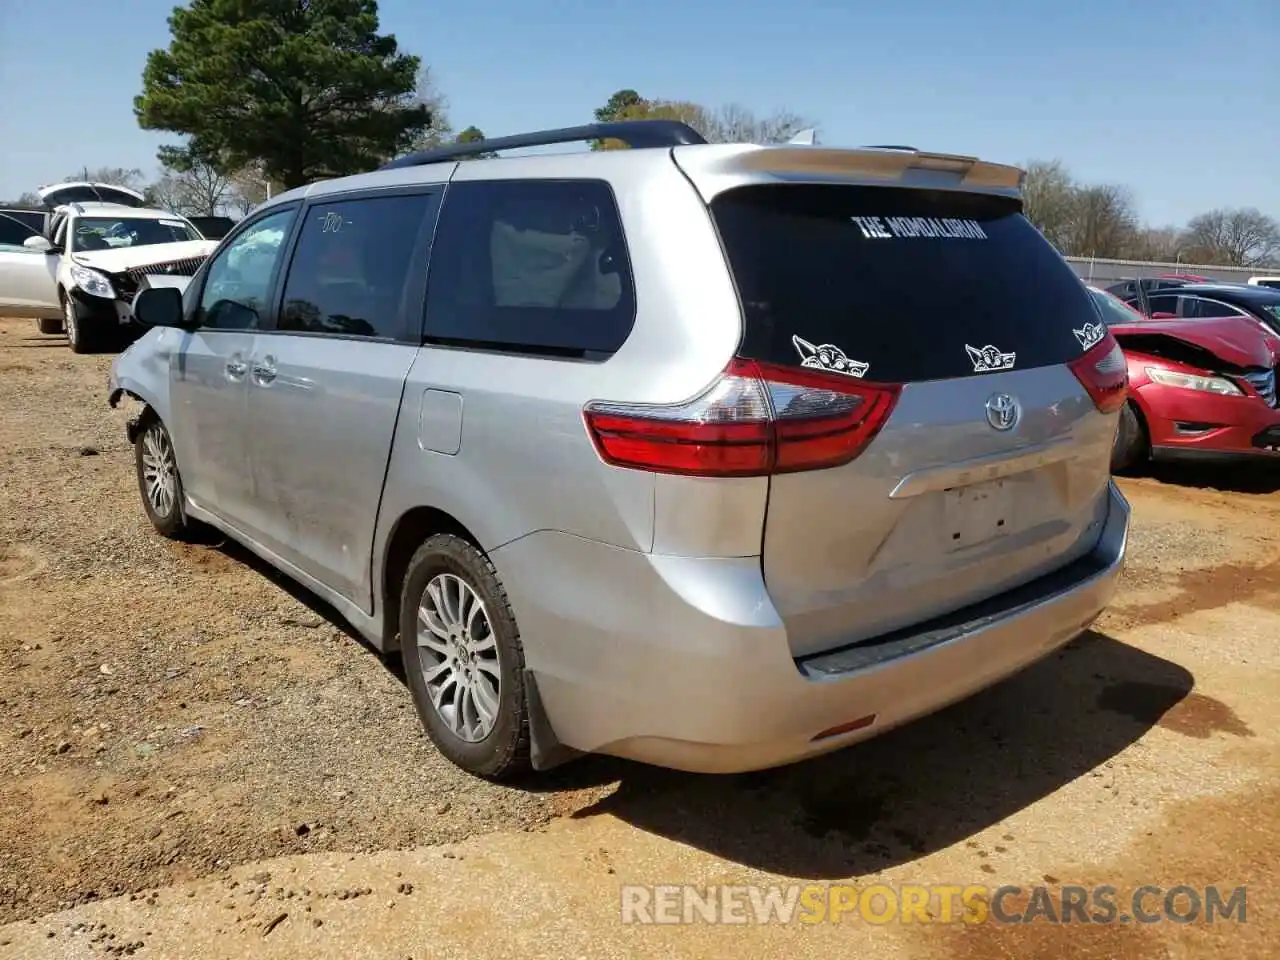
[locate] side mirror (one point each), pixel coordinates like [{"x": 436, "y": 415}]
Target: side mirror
[
  {"x": 159, "y": 307},
  {"x": 1161, "y": 315},
  {"x": 38, "y": 243}
]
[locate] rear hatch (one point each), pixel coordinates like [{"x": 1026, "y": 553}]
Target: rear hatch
[
  {"x": 993, "y": 467},
  {"x": 82, "y": 191}
]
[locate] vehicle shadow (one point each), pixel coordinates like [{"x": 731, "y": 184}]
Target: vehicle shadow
[
  {"x": 924, "y": 786},
  {"x": 910, "y": 792},
  {"x": 1256, "y": 477},
  {"x": 210, "y": 538}
]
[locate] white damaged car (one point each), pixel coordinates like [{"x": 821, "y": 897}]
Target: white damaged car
[{"x": 99, "y": 247}]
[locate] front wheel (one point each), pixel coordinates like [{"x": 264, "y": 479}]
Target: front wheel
[
  {"x": 1131, "y": 448},
  {"x": 463, "y": 659},
  {"x": 80, "y": 339},
  {"x": 158, "y": 479}
]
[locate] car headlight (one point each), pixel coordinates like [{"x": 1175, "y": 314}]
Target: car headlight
[
  {"x": 1191, "y": 381},
  {"x": 92, "y": 282}
]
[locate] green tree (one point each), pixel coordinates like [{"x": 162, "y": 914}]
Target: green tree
[
  {"x": 309, "y": 89},
  {"x": 473, "y": 134},
  {"x": 612, "y": 110}
]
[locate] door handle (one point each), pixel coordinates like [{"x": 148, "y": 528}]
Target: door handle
[
  {"x": 236, "y": 368},
  {"x": 264, "y": 371}
]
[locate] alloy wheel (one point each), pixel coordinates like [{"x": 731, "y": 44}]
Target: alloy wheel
[
  {"x": 159, "y": 471},
  {"x": 458, "y": 654}
]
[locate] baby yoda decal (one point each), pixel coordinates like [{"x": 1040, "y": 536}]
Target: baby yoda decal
[
  {"x": 989, "y": 358},
  {"x": 1090, "y": 334},
  {"x": 828, "y": 357}
]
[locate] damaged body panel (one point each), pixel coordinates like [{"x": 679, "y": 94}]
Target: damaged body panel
[{"x": 1197, "y": 388}]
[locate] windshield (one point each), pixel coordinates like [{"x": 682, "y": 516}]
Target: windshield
[
  {"x": 106, "y": 233},
  {"x": 1114, "y": 311}
]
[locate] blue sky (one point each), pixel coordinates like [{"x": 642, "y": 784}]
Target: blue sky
[{"x": 1090, "y": 82}]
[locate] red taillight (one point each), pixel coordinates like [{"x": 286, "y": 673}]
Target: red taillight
[
  {"x": 1104, "y": 372},
  {"x": 756, "y": 419}
]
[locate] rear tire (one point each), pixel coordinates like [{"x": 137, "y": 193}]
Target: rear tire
[
  {"x": 463, "y": 659},
  {"x": 49, "y": 326},
  {"x": 1132, "y": 448}
]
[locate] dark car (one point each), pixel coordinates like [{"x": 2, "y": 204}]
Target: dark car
[
  {"x": 212, "y": 228},
  {"x": 1128, "y": 289},
  {"x": 1200, "y": 300}
]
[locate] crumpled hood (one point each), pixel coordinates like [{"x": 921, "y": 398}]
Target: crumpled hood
[
  {"x": 1233, "y": 340},
  {"x": 131, "y": 258}
]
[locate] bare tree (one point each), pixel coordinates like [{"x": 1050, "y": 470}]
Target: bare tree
[
  {"x": 196, "y": 189},
  {"x": 734, "y": 123},
  {"x": 439, "y": 130},
  {"x": 1049, "y": 196},
  {"x": 1159, "y": 244},
  {"x": 1103, "y": 221},
  {"x": 1244, "y": 238},
  {"x": 130, "y": 177},
  {"x": 728, "y": 124},
  {"x": 248, "y": 187}
]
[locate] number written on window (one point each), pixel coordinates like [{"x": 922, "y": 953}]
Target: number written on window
[{"x": 349, "y": 270}]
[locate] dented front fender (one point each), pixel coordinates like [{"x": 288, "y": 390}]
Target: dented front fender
[{"x": 142, "y": 372}]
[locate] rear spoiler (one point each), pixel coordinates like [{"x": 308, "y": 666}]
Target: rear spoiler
[{"x": 714, "y": 169}]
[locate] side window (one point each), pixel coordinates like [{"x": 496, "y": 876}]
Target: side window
[
  {"x": 539, "y": 266},
  {"x": 350, "y": 266},
  {"x": 238, "y": 282},
  {"x": 1162, "y": 304},
  {"x": 1199, "y": 308},
  {"x": 13, "y": 232}
]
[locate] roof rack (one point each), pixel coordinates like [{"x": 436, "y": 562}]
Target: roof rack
[{"x": 636, "y": 134}]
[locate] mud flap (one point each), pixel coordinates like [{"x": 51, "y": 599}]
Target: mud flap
[{"x": 545, "y": 750}]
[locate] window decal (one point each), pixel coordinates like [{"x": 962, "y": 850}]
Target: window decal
[
  {"x": 828, "y": 357},
  {"x": 989, "y": 358},
  {"x": 1090, "y": 334}
]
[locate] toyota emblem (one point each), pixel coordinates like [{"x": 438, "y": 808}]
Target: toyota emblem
[{"x": 1003, "y": 411}]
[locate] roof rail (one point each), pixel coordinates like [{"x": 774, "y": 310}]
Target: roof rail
[{"x": 634, "y": 133}]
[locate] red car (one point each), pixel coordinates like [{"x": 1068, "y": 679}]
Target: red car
[{"x": 1197, "y": 388}]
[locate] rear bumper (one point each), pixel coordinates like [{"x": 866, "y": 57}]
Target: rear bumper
[{"x": 684, "y": 663}]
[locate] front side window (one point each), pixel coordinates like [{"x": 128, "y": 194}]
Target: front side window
[
  {"x": 237, "y": 285},
  {"x": 535, "y": 266},
  {"x": 105, "y": 233},
  {"x": 350, "y": 266}
]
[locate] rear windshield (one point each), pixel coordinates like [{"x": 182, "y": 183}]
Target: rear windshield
[{"x": 899, "y": 285}]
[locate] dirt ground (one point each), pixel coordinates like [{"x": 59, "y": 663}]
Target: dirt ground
[{"x": 192, "y": 747}]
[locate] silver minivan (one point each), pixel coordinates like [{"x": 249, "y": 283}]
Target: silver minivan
[{"x": 711, "y": 456}]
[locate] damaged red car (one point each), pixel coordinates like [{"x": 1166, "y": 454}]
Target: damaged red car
[{"x": 1202, "y": 388}]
